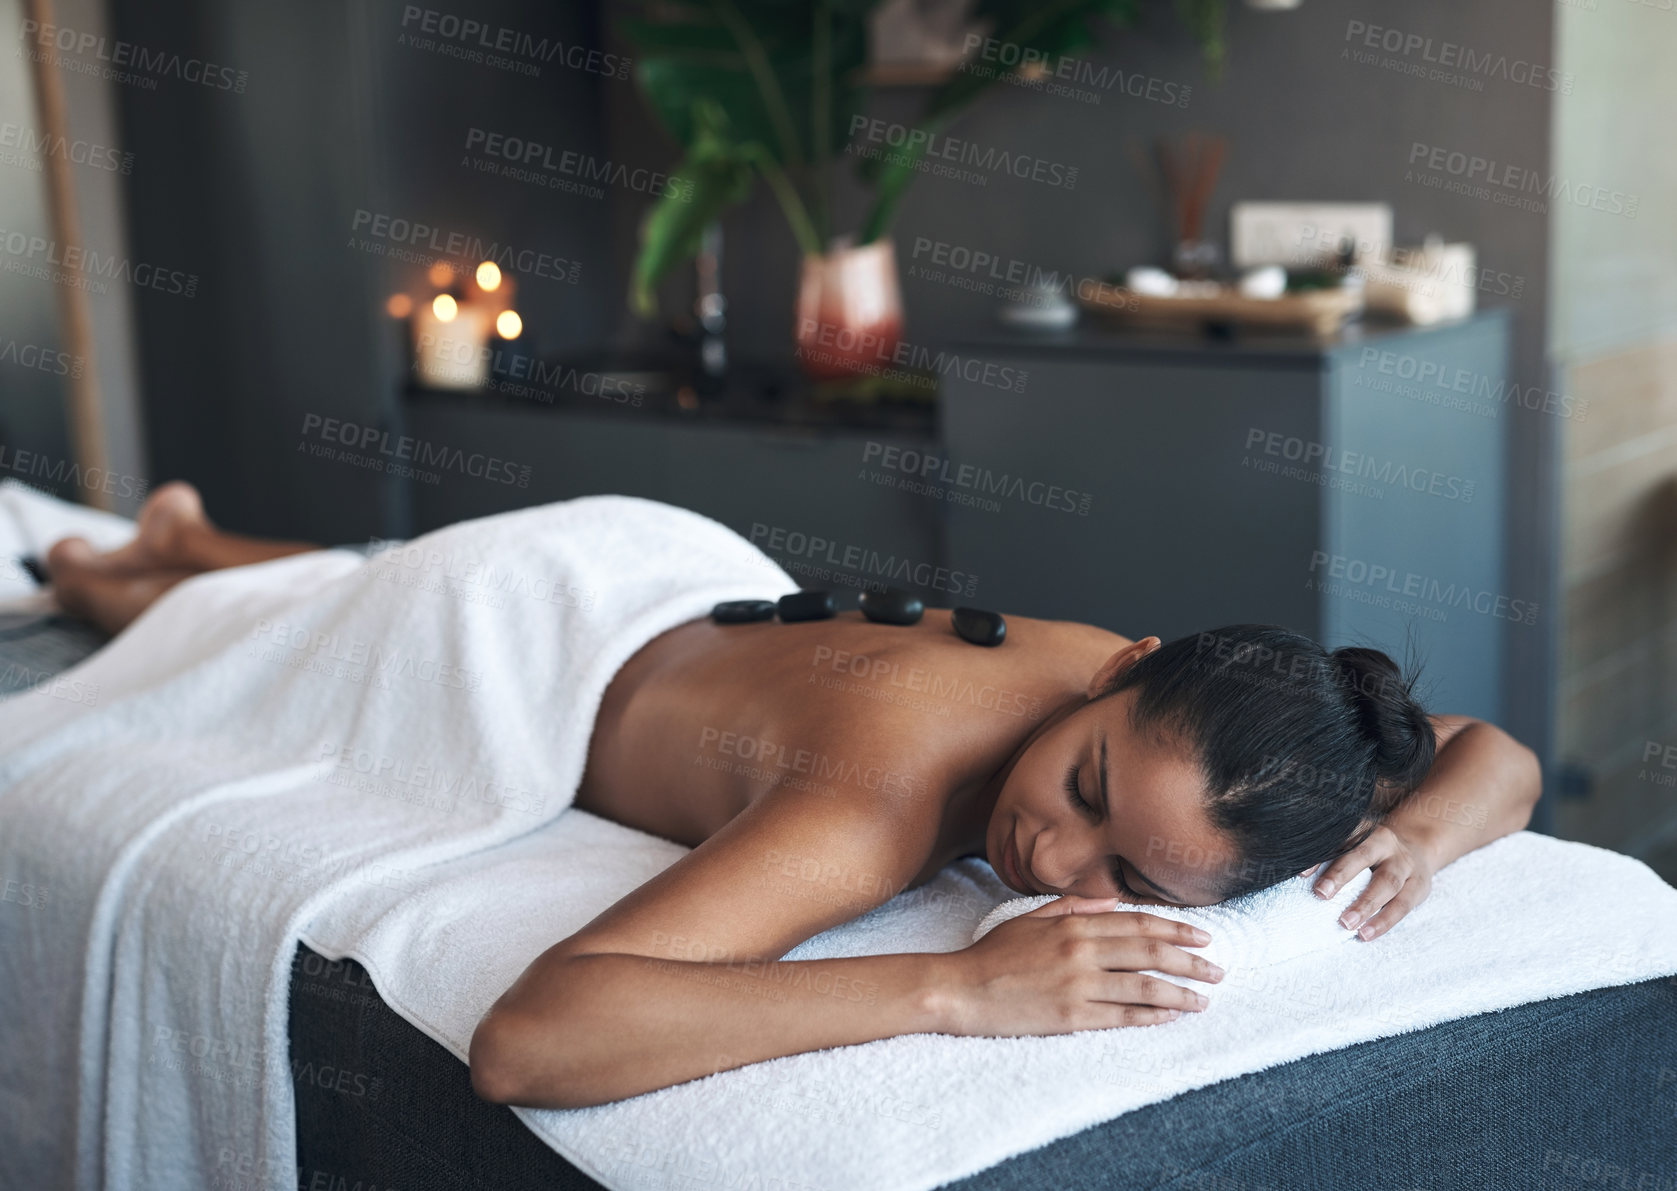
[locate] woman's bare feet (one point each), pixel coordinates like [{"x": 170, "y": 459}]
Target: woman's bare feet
[
  {"x": 85, "y": 586},
  {"x": 165, "y": 531},
  {"x": 173, "y": 540},
  {"x": 114, "y": 587}
]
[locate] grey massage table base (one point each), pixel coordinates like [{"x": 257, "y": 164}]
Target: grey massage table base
[
  {"x": 1579, "y": 1092},
  {"x": 1504, "y": 1101}
]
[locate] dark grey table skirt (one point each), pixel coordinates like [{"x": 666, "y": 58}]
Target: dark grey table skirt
[{"x": 1578, "y": 1092}]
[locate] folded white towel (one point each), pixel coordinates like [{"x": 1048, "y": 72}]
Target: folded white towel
[
  {"x": 30, "y": 521},
  {"x": 1248, "y": 934}
]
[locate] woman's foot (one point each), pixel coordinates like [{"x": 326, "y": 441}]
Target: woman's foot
[
  {"x": 169, "y": 522},
  {"x": 84, "y": 585},
  {"x": 114, "y": 587},
  {"x": 173, "y": 540}
]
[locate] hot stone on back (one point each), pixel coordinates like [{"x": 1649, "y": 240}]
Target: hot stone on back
[
  {"x": 807, "y": 605},
  {"x": 891, "y": 607},
  {"x": 742, "y": 611},
  {"x": 978, "y": 626}
]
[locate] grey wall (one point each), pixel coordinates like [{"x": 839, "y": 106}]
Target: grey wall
[{"x": 257, "y": 193}]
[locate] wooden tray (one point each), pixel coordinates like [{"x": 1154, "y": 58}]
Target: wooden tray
[{"x": 1319, "y": 312}]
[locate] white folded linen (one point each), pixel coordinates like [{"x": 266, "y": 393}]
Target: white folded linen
[
  {"x": 269, "y": 738},
  {"x": 28, "y": 516},
  {"x": 1248, "y": 934}
]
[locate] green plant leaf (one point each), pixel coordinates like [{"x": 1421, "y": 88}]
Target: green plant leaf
[
  {"x": 715, "y": 175},
  {"x": 735, "y": 82},
  {"x": 691, "y": 52},
  {"x": 1205, "y": 20}
]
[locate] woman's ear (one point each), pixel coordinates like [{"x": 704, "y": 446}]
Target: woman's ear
[{"x": 1119, "y": 662}]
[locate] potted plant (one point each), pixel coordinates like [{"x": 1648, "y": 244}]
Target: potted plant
[{"x": 765, "y": 90}]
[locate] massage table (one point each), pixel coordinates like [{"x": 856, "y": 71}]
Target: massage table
[{"x": 1573, "y": 1092}]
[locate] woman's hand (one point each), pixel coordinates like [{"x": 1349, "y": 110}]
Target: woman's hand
[
  {"x": 1402, "y": 880},
  {"x": 1073, "y": 964}
]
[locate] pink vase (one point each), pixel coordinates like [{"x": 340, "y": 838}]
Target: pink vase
[{"x": 850, "y": 311}]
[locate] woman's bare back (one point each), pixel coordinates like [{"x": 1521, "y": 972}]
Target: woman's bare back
[{"x": 707, "y": 718}]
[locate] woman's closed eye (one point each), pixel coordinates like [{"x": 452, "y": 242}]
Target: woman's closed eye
[{"x": 1075, "y": 795}]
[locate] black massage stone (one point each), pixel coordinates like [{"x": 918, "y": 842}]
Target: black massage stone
[
  {"x": 978, "y": 626},
  {"x": 891, "y": 607},
  {"x": 36, "y": 571},
  {"x": 807, "y": 605},
  {"x": 742, "y": 611}
]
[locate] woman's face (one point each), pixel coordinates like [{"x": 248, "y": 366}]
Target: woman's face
[{"x": 1094, "y": 808}]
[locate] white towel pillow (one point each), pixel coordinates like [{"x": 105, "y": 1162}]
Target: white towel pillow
[{"x": 1248, "y": 933}]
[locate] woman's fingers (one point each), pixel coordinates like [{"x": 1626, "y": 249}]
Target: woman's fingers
[
  {"x": 1071, "y": 904},
  {"x": 1388, "y": 879},
  {"x": 1095, "y": 915},
  {"x": 1341, "y": 871},
  {"x": 1393, "y": 912},
  {"x": 1134, "y": 954},
  {"x": 1140, "y": 922},
  {"x": 1130, "y": 1015},
  {"x": 1397, "y": 885},
  {"x": 1138, "y": 942},
  {"x": 1371, "y": 851},
  {"x": 1131, "y": 988}
]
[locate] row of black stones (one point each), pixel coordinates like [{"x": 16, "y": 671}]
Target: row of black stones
[{"x": 883, "y": 607}]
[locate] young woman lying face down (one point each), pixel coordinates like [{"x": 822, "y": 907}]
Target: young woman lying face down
[{"x": 818, "y": 768}]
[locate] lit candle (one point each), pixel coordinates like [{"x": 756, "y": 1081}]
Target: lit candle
[
  {"x": 451, "y": 343},
  {"x": 451, "y": 334}
]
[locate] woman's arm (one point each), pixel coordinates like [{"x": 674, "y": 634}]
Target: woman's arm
[
  {"x": 680, "y": 979},
  {"x": 1482, "y": 786},
  {"x": 585, "y": 1029}
]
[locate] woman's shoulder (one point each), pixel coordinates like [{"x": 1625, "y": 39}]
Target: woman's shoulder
[
  {"x": 928, "y": 693},
  {"x": 1069, "y": 636}
]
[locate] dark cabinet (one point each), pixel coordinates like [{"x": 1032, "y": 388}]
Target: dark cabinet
[
  {"x": 796, "y": 491},
  {"x": 1350, "y": 490}
]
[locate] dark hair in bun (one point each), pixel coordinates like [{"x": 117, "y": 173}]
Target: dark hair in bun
[
  {"x": 1304, "y": 751},
  {"x": 1391, "y": 720}
]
